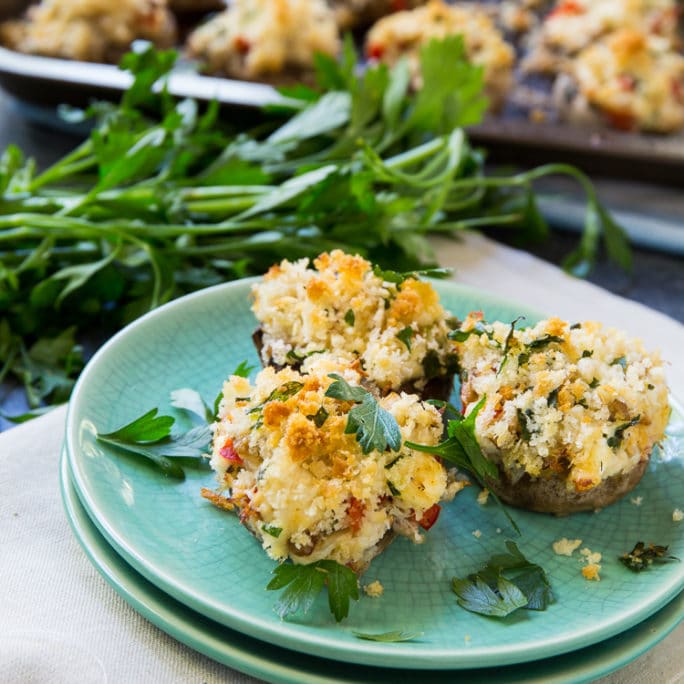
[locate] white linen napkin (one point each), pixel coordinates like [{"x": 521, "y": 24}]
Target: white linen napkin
[{"x": 61, "y": 622}]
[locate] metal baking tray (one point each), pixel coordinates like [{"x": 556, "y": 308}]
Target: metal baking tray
[{"x": 510, "y": 137}]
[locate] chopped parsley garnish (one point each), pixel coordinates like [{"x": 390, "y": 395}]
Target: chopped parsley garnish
[
  {"x": 392, "y": 488},
  {"x": 595, "y": 382},
  {"x": 642, "y": 557},
  {"x": 389, "y": 637},
  {"x": 507, "y": 343},
  {"x": 243, "y": 369},
  {"x": 478, "y": 329},
  {"x": 552, "y": 399},
  {"x": 303, "y": 583},
  {"x": 506, "y": 583},
  {"x": 294, "y": 357},
  {"x": 616, "y": 438},
  {"x": 524, "y": 420},
  {"x": 575, "y": 326},
  {"x": 523, "y": 359},
  {"x": 319, "y": 417},
  {"x": 405, "y": 336},
  {"x": 587, "y": 353},
  {"x": 620, "y": 361},
  {"x": 398, "y": 278},
  {"x": 273, "y": 531},
  {"x": 375, "y": 427},
  {"x": 544, "y": 341},
  {"x": 282, "y": 393},
  {"x": 350, "y": 318}
]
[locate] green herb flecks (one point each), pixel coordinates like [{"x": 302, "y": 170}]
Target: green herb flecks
[
  {"x": 615, "y": 440},
  {"x": 507, "y": 344},
  {"x": 350, "y": 318},
  {"x": 303, "y": 583},
  {"x": 620, "y": 361},
  {"x": 272, "y": 530},
  {"x": 319, "y": 417},
  {"x": 405, "y": 336},
  {"x": 643, "y": 557},
  {"x": 544, "y": 341},
  {"x": 505, "y": 584},
  {"x": 243, "y": 369}
]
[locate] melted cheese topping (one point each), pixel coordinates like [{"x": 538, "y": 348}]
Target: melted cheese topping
[
  {"x": 90, "y": 30},
  {"x": 635, "y": 79},
  {"x": 303, "y": 485},
  {"x": 581, "y": 402},
  {"x": 255, "y": 39},
  {"x": 405, "y": 33},
  {"x": 398, "y": 333}
]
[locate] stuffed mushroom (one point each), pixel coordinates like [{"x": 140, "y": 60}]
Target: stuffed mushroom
[{"x": 571, "y": 413}]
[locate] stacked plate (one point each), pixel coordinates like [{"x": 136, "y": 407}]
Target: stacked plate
[{"x": 196, "y": 573}]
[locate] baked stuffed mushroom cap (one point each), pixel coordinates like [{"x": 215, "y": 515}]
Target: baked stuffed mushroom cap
[
  {"x": 266, "y": 40},
  {"x": 301, "y": 481},
  {"x": 404, "y": 34},
  {"x": 90, "y": 30},
  {"x": 340, "y": 307},
  {"x": 572, "y": 412}
]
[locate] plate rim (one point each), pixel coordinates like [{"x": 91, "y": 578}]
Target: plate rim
[{"x": 367, "y": 653}]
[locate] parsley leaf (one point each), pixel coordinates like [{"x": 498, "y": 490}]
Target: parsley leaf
[
  {"x": 461, "y": 447},
  {"x": 190, "y": 400},
  {"x": 389, "y": 637},
  {"x": 544, "y": 341},
  {"x": 272, "y": 530},
  {"x": 243, "y": 369},
  {"x": 375, "y": 427},
  {"x": 319, "y": 417},
  {"x": 303, "y": 583},
  {"x": 615, "y": 440},
  {"x": 642, "y": 557},
  {"x": 146, "y": 429},
  {"x": 507, "y": 343},
  {"x": 506, "y": 583}
]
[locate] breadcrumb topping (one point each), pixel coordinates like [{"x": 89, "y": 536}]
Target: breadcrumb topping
[
  {"x": 374, "y": 589},
  {"x": 566, "y": 547},
  {"x": 303, "y": 485},
  {"x": 579, "y": 401},
  {"x": 677, "y": 515}
]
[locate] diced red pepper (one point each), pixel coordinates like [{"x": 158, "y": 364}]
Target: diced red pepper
[
  {"x": 355, "y": 511},
  {"x": 375, "y": 51},
  {"x": 677, "y": 89},
  {"x": 242, "y": 45},
  {"x": 399, "y": 5},
  {"x": 627, "y": 82},
  {"x": 228, "y": 452},
  {"x": 430, "y": 517},
  {"x": 567, "y": 8}
]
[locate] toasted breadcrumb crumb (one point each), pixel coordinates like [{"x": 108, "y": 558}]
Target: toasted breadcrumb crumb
[
  {"x": 483, "y": 496},
  {"x": 466, "y": 638},
  {"x": 477, "y": 534},
  {"x": 374, "y": 589},
  {"x": 636, "y": 500},
  {"x": 591, "y": 572},
  {"x": 590, "y": 557},
  {"x": 677, "y": 515},
  {"x": 566, "y": 547}
]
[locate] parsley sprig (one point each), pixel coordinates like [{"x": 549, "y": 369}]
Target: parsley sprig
[
  {"x": 303, "y": 583},
  {"x": 150, "y": 435},
  {"x": 643, "y": 557},
  {"x": 165, "y": 198},
  {"x": 375, "y": 427},
  {"x": 505, "y": 584}
]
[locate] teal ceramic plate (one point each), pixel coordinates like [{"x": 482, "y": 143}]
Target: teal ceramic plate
[
  {"x": 203, "y": 558},
  {"x": 279, "y": 665}
]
